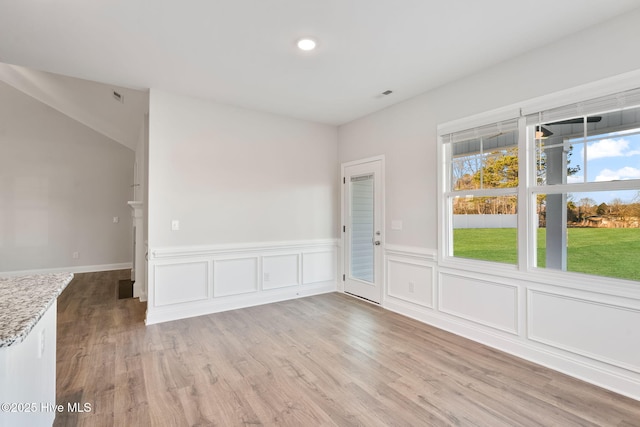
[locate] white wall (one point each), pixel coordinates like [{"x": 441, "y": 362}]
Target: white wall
[
  {"x": 246, "y": 187},
  {"x": 231, "y": 175},
  {"x": 61, "y": 184},
  {"x": 541, "y": 317}
]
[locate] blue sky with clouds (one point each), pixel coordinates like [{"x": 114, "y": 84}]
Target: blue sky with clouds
[{"x": 614, "y": 157}]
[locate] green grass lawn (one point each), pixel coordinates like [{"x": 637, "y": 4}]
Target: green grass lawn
[{"x": 611, "y": 252}]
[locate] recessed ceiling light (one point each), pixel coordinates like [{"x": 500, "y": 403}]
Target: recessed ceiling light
[{"x": 306, "y": 44}]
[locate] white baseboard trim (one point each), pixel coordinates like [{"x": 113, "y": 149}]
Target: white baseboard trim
[
  {"x": 217, "y": 305},
  {"x": 73, "y": 269},
  {"x": 590, "y": 371}
]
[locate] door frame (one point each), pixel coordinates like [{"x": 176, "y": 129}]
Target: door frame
[{"x": 343, "y": 234}]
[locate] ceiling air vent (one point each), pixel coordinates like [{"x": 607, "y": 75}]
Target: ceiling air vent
[{"x": 118, "y": 97}]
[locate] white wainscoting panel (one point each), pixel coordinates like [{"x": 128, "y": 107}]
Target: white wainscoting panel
[
  {"x": 235, "y": 276},
  {"x": 605, "y": 332},
  {"x": 279, "y": 271},
  {"x": 410, "y": 280},
  {"x": 181, "y": 282},
  {"x": 192, "y": 281},
  {"x": 487, "y": 303},
  {"x": 318, "y": 267}
]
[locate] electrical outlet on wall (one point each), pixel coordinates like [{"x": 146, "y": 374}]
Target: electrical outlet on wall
[{"x": 75, "y": 255}]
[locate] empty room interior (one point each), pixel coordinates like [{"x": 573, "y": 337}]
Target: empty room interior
[{"x": 301, "y": 213}]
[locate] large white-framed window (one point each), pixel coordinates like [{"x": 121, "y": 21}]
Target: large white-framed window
[
  {"x": 481, "y": 192},
  {"x": 551, "y": 190}
]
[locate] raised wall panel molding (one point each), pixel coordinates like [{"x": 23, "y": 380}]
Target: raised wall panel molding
[
  {"x": 233, "y": 276},
  {"x": 410, "y": 279},
  {"x": 280, "y": 271},
  {"x": 229, "y": 277},
  {"x": 181, "y": 283},
  {"x": 488, "y": 303},
  {"x": 601, "y": 331},
  {"x": 318, "y": 266}
]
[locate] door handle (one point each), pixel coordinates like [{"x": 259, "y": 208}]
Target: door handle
[{"x": 376, "y": 242}]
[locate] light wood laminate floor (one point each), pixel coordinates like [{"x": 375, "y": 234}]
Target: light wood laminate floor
[{"x": 319, "y": 361}]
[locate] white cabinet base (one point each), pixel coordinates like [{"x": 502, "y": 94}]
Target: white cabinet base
[{"x": 28, "y": 376}]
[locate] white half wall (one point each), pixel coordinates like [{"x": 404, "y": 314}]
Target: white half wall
[{"x": 61, "y": 185}]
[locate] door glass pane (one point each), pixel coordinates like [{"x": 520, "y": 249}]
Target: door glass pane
[{"x": 362, "y": 228}]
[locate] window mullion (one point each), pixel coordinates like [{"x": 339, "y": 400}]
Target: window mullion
[{"x": 525, "y": 161}]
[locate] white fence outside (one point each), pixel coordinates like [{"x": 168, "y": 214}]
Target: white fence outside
[{"x": 485, "y": 221}]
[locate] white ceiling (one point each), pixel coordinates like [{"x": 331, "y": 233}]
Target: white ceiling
[{"x": 242, "y": 52}]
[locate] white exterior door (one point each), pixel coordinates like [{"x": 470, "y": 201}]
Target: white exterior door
[{"x": 362, "y": 228}]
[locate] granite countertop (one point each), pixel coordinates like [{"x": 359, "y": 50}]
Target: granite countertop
[{"x": 24, "y": 300}]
